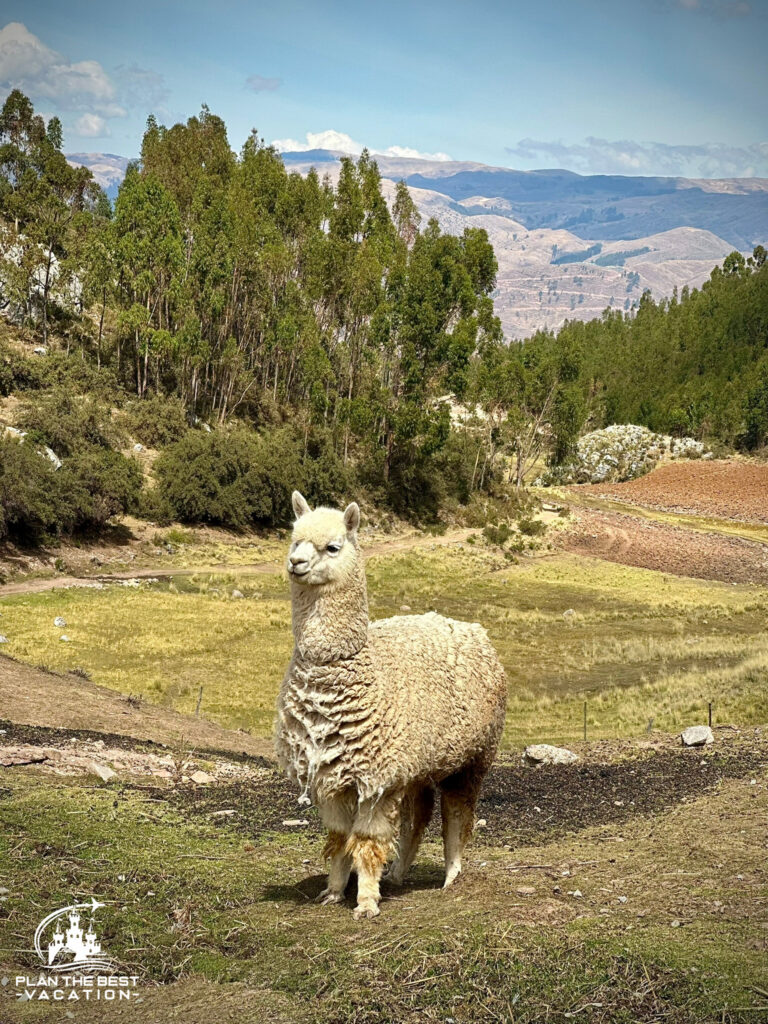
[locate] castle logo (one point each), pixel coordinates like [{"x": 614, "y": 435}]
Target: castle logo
[{"x": 75, "y": 947}]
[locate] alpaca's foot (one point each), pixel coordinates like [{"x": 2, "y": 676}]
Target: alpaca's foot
[
  {"x": 366, "y": 909},
  {"x": 328, "y": 896},
  {"x": 451, "y": 874}
]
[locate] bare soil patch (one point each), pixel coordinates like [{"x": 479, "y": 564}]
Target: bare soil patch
[
  {"x": 55, "y": 702},
  {"x": 632, "y": 540},
  {"x": 719, "y": 489},
  {"x": 519, "y": 804}
]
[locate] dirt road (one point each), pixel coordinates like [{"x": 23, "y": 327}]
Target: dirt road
[{"x": 36, "y": 586}]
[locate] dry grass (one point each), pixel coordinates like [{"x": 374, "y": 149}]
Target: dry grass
[{"x": 639, "y": 644}]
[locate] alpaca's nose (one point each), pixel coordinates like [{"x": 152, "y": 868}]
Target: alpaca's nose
[{"x": 299, "y": 564}]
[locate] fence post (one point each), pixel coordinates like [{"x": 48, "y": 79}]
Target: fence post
[
  {"x": 710, "y": 714},
  {"x": 199, "y": 702},
  {"x": 585, "y": 719}
]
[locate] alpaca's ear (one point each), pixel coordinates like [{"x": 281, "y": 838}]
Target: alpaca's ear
[
  {"x": 300, "y": 505},
  {"x": 352, "y": 517}
]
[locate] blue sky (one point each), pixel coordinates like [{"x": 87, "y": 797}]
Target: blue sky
[{"x": 615, "y": 86}]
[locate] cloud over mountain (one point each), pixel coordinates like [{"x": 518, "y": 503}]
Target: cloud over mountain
[
  {"x": 601, "y": 156},
  {"x": 343, "y": 143}
]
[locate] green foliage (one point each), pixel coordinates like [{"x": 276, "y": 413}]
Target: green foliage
[
  {"x": 531, "y": 527},
  {"x": 693, "y": 364},
  {"x": 100, "y": 484},
  {"x": 157, "y": 421},
  {"x": 37, "y": 501},
  {"x": 31, "y": 502},
  {"x": 240, "y": 478},
  {"x": 69, "y": 423},
  {"x": 497, "y": 534}
]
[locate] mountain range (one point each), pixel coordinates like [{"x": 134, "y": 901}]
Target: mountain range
[{"x": 568, "y": 245}]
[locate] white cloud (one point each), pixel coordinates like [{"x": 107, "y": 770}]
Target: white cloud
[
  {"x": 601, "y": 156},
  {"x": 27, "y": 63},
  {"x": 329, "y": 139},
  {"x": 343, "y": 143},
  {"x": 413, "y": 154},
  {"x": 258, "y": 83},
  {"x": 91, "y": 126}
]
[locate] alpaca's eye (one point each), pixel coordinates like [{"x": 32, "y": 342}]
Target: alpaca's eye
[{"x": 333, "y": 549}]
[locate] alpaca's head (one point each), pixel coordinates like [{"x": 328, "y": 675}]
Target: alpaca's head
[{"x": 324, "y": 543}]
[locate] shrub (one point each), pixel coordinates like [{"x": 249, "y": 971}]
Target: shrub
[
  {"x": 17, "y": 372},
  {"x": 68, "y": 423},
  {"x": 240, "y": 478},
  {"x": 38, "y": 501},
  {"x": 103, "y": 483},
  {"x": 531, "y": 527},
  {"x": 157, "y": 421},
  {"x": 31, "y": 500},
  {"x": 497, "y": 535}
]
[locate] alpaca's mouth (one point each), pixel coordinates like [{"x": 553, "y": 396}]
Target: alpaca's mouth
[{"x": 295, "y": 572}]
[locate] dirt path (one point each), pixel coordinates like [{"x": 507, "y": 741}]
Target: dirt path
[
  {"x": 633, "y": 540},
  {"x": 272, "y": 568}
]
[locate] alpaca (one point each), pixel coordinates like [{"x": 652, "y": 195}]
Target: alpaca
[{"x": 373, "y": 716}]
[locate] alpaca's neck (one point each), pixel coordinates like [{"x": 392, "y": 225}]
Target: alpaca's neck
[{"x": 330, "y": 622}]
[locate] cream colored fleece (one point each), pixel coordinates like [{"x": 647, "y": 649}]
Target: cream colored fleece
[{"x": 369, "y": 709}]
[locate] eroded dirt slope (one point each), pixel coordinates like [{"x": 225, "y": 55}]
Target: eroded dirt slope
[
  {"x": 34, "y": 696},
  {"x": 632, "y": 540},
  {"x": 720, "y": 489}
]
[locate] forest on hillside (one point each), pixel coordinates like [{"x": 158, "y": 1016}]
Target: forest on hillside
[{"x": 265, "y": 330}]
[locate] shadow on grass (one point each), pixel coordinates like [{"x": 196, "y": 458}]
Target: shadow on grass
[{"x": 309, "y": 888}]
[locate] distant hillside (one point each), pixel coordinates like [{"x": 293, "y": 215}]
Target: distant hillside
[
  {"x": 568, "y": 245},
  {"x": 107, "y": 168}
]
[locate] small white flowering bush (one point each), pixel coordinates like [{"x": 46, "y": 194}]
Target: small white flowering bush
[{"x": 621, "y": 452}]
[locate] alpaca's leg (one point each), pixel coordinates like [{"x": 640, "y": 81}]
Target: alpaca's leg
[
  {"x": 339, "y": 869},
  {"x": 415, "y": 819},
  {"x": 337, "y": 816},
  {"x": 459, "y": 795},
  {"x": 373, "y": 836}
]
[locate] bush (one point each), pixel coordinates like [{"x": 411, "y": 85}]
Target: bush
[
  {"x": 240, "y": 478},
  {"x": 38, "y": 501},
  {"x": 102, "y": 483},
  {"x": 157, "y": 421},
  {"x": 69, "y": 423},
  {"x": 17, "y": 372},
  {"x": 497, "y": 535},
  {"x": 531, "y": 527},
  {"x": 32, "y": 505}
]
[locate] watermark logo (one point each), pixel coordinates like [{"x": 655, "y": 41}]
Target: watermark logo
[
  {"x": 75, "y": 966},
  {"x": 75, "y": 947}
]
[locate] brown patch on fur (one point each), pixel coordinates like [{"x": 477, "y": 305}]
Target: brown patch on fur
[
  {"x": 334, "y": 845},
  {"x": 369, "y": 854}
]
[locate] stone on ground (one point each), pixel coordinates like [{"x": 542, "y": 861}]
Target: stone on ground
[
  {"x": 697, "y": 736},
  {"x": 544, "y": 753}
]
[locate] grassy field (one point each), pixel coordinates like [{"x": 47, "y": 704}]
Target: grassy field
[
  {"x": 635, "y": 644},
  {"x": 663, "y": 928}
]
